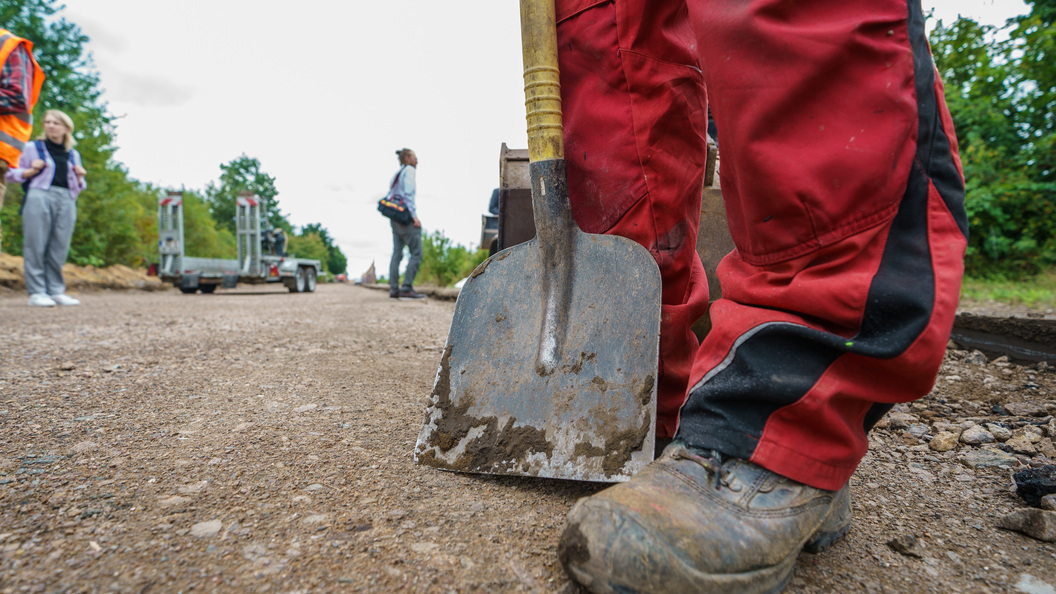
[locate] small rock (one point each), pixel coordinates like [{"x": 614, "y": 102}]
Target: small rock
[
  {"x": 941, "y": 426},
  {"x": 173, "y": 501},
  {"x": 976, "y": 358},
  {"x": 906, "y": 544},
  {"x": 84, "y": 446},
  {"x": 1031, "y": 433},
  {"x": 976, "y": 435},
  {"x": 1035, "y": 523},
  {"x": 918, "y": 430},
  {"x": 305, "y": 408},
  {"x": 1025, "y": 409},
  {"x": 207, "y": 529},
  {"x": 986, "y": 457},
  {"x": 1029, "y": 584},
  {"x": 900, "y": 420},
  {"x": 193, "y": 487},
  {"x": 1048, "y": 502},
  {"x": 317, "y": 519},
  {"x": 1050, "y": 428},
  {"x": 944, "y": 441},
  {"x": 1000, "y": 432},
  {"x": 1046, "y": 448},
  {"x": 314, "y": 487},
  {"x": 1035, "y": 483},
  {"x": 1021, "y": 445}
]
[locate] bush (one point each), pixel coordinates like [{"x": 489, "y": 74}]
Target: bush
[{"x": 444, "y": 263}]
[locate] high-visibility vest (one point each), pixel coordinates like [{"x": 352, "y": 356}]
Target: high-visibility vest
[{"x": 15, "y": 128}]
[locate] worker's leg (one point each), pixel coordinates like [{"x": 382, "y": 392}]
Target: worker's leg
[
  {"x": 397, "y": 257},
  {"x": 64, "y": 218},
  {"x": 413, "y": 238},
  {"x": 634, "y": 118},
  {"x": 36, "y": 231},
  {"x": 845, "y": 201}
]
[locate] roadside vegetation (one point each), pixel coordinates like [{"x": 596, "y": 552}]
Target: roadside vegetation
[{"x": 1000, "y": 85}]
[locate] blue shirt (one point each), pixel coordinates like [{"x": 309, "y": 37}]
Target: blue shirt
[{"x": 403, "y": 188}]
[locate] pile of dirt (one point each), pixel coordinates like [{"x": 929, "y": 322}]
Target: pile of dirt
[{"x": 86, "y": 278}]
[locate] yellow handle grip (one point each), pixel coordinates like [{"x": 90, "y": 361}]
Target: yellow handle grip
[{"x": 542, "y": 85}]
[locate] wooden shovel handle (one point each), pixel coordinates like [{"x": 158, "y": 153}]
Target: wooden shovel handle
[{"x": 542, "y": 85}]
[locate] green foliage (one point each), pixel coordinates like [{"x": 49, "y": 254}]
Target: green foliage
[
  {"x": 444, "y": 263},
  {"x": 202, "y": 237},
  {"x": 1001, "y": 91},
  {"x": 244, "y": 174},
  {"x": 335, "y": 261},
  {"x": 308, "y": 245}
]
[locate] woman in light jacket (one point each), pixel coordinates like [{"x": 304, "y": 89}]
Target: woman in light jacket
[{"x": 49, "y": 211}]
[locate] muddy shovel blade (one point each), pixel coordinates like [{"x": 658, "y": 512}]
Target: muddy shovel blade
[{"x": 550, "y": 366}]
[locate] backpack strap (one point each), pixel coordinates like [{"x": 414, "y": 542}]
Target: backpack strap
[{"x": 25, "y": 185}]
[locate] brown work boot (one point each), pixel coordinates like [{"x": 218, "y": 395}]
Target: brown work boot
[{"x": 693, "y": 522}]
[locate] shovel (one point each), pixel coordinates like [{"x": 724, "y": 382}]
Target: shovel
[{"x": 550, "y": 366}]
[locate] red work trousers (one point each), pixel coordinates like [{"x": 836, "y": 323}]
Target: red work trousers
[{"x": 844, "y": 195}]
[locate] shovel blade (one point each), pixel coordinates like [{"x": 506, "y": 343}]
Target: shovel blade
[{"x": 495, "y": 410}]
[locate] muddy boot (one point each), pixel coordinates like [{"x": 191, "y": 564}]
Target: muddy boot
[{"x": 693, "y": 522}]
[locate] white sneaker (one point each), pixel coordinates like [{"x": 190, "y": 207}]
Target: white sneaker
[
  {"x": 41, "y": 300},
  {"x": 65, "y": 300}
]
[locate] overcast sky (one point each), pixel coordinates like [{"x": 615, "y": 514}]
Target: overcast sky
[{"x": 323, "y": 93}]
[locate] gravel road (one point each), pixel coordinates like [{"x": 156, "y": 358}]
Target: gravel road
[{"x": 256, "y": 440}]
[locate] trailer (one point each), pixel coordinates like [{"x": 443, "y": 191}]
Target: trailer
[{"x": 260, "y": 259}]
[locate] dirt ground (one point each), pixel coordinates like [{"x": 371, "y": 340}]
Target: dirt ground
[{"x": 257, "y": 440}]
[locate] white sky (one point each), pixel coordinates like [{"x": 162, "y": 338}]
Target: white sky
[{"x": 323, "y": 93}]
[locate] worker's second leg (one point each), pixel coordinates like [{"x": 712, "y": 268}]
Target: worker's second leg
[
  {"x": 845, "y": 202},
  {"x": 413, "y": 239}
]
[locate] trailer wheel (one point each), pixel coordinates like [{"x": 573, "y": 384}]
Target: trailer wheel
[
  {"x": 207, "y": 288},
  {"x": 299, "y": 281},
  {"x": 188, "y": 290},
  {"x": 309, "y": 286}
]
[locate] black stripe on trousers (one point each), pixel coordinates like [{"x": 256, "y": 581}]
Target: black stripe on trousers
[{"x": 776, "y": 364}]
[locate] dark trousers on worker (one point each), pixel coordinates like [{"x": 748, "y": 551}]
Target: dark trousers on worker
[
  {"x": 843, "y": 191},
  {"x": 410, "y": 237}
]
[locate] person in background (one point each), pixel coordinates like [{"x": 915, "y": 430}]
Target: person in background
[
  {"x": 56, "y": 175},
  {"x": 20, "y": 82},
  {"x": 402, "y": 190}
]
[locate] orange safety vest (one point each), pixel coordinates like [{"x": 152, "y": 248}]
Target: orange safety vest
[{"x": 15, "y": 128}]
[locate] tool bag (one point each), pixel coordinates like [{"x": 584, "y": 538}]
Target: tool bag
[{"x": 392, "y": 208}]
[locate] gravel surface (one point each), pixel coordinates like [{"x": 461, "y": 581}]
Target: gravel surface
[{"x": 256, "y": 440}]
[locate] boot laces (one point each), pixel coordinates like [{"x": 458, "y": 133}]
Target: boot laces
[{"x": 713, "y": 463}]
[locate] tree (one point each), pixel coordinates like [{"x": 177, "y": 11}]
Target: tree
[
  {"x": 308, "y": 245},
  {"x": 244, "y": 174},
  {"x": 336, "y": 262},
  {"x": 1002, "y": 96}
]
